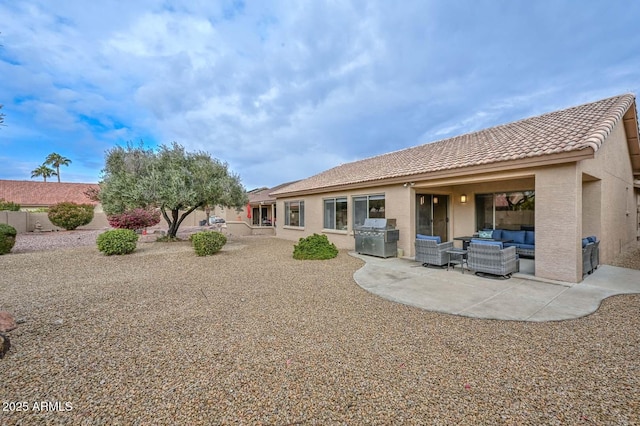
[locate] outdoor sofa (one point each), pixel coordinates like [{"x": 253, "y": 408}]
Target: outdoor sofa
[
  {"x": 431, "y": 251},
  {"x": 523, "y": 240},
  {"x": 490, "y": 257}
]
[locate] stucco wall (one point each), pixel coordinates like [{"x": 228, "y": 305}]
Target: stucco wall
[
  {"x": 559, "y": 223},
  {"x": 465, "y": 214},
  {"x": 397, "y": 206},
  {"x": 19, "y": 220},
  {"x": 25, "y": 221},
  {"x": 617, "y": 205}
]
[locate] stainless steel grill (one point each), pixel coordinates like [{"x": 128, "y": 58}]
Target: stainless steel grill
[{"x": 377, "y": 237}]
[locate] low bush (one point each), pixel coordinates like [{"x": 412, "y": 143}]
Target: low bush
[
  {"x": 7, "y": 238},
  {"x": 135, "y": 219},
  {"x": 117, "y": 241},
  {"x": 69, "y": 215},
  {"x": 9, "y": 205},
  {"x": 206, "y": 243},
  {"x": 314, "y": 247}
]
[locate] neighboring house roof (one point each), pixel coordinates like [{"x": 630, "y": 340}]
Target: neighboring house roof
[
  {"x": 42, "y": 194},
  {"x": 263, "y": 195},
  {"x": 566, "y": 135}
]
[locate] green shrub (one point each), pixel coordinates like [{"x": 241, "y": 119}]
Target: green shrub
[
  {"x": 315, "y": 247},
  {"x": 7, "y": 238},
  {"x": 69, "y": 215},
  {"x": 9, "y": 205},
  {"x": 117, "y": 241},
  {"x": 206, "y": 243}
]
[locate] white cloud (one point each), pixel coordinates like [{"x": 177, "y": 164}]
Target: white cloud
[{"x": 282, "y": 90}]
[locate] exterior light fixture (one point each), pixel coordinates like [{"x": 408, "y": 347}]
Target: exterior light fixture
[
  {"x": 463, "y": 198},
  {"x": 435, "y": 200}
]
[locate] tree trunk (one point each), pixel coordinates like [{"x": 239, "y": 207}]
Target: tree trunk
[{"x": 174, "y": 224}]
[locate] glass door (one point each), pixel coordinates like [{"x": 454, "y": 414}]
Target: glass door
[{"x": 432, "y": 215}]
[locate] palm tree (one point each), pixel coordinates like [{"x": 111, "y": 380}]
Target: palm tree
[
  {"x": 43, "y": 171},
  {"x": 57, "y": 160}
]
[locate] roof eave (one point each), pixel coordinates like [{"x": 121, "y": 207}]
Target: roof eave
[
  {"x": 630, "y": 123},
  {"x": 501, "y": 166}
]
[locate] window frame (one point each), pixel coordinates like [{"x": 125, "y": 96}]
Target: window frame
[
  {"x": 371, "y": 197},
  {"x": 530, "y": 194},
  {"x": 336, "y": 201},
  {"x": 288, "y": 213}
]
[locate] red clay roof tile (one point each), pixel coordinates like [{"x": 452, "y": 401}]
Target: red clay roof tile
[{"x": 30, "y": 193}]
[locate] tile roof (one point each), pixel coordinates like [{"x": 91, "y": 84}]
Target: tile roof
[
  {"x": 263, "y": 195},
  {"x": 572, "y": 129},
  {"x": 32, "y": 193}
]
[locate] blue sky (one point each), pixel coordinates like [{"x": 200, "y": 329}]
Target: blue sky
[{"x": 283, "y": 90}]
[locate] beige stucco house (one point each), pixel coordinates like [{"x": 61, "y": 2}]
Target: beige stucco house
[{"x": 567, "y": 175}]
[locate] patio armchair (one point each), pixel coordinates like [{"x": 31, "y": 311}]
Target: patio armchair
[
  {"x": 595, "y": 256},
  {"x": 595, "y": 252},
  {"x": 590, "y": 254},
  {"x": 587, "y": 253},
  {"x": 492, "y": 259},
  {"x": 430, "y": 251}
]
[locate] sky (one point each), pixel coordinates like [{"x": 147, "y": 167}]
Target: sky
[{"x": 283, "y": 90}]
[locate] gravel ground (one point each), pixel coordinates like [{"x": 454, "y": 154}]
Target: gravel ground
[{"x": 251, "y": 336}]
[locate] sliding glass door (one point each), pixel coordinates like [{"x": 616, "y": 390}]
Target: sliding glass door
[{"x": 432, "y": 215}]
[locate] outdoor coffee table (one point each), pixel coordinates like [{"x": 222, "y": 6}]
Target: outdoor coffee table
[{"x": 458, "y": 256}]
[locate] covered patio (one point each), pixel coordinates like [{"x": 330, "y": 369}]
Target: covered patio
[{"x": 521, "y": 298}]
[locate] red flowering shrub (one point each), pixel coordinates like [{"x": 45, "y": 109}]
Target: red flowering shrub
[{"x": 135, "y": 219}]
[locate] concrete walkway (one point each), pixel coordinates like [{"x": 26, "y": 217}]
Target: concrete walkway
[{"x": 521, "y": 298}]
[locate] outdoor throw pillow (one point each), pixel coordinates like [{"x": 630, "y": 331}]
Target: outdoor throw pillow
[{"x": 485, "y": 234}]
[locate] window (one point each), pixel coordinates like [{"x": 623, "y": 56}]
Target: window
[
  {"x": 506, "y": 210},
  {"x": 335, "y": 213},
  {"x": 370, "y": 206},
  {"x": 294, "y": 213}
]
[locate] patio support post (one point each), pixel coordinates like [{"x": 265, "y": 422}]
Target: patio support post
[{"x": 558, "y": 221}]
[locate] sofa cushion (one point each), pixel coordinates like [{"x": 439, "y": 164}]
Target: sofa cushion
[
  {"x": 486, "y": 243},
  {"x": 514, "y": 236},
  {"x": 585, "y": 241},
  {"x": 530, "y": 237},
  {"x": 485, "y": 234},
  {"x": 592, "y": 239},
  {"x": 429, "y": 237},
  {"x": 497, "y": 234},
  {"x": 520, "y": 246}
]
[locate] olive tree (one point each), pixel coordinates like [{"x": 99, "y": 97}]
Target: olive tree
[{"x": 171, "y": 179}]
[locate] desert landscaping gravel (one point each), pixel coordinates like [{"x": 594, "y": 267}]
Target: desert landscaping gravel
[{"x": 252, "y": 336}]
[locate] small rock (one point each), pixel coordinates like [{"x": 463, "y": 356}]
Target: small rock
[
  {"x": 5, "y": 344},
  {"x": 58, "y": 321},
  {"x": 7, "y": 322}
]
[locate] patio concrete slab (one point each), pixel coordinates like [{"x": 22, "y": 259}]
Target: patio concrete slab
[{"x": 520, "y": 298}]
